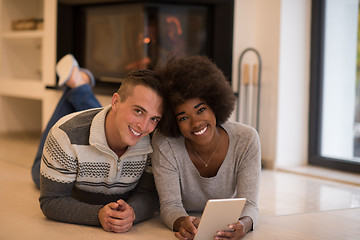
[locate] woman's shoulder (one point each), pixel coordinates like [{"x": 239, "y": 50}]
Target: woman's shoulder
[
  {"x": 166, "y": 148},
  {"x": 237, "y": 128},
  {"x": 242, "y": 136},
  {"x": 158, "y": 138},
  {"x": 161, "y": 140}
]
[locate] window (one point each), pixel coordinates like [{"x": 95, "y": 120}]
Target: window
[{"x": 334, "y": 92}]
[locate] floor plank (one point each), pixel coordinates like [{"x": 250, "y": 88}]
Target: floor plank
[{"x": 292, "y": 206}]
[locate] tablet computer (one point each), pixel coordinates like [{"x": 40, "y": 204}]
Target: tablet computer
[{"x": 217, "y": 215}]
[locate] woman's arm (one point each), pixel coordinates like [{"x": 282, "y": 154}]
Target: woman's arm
[
  {"x": 167, "y": 179},
  {"x": 248, "y": 172}
]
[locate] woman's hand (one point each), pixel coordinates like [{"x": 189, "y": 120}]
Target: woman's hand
[
  {"x": 116, "y": 217},
  {"x": 236, "y": 230},
  {"x": 187, "y": 227}
]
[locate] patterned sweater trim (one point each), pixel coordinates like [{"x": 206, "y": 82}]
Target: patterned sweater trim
[{"x": 76, "y": 151}]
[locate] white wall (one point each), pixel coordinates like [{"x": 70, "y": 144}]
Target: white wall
[
  {"x": 293, "y": 83},
  {"x": 280, "y": 31}
]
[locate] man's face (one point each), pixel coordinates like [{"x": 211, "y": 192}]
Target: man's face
[{"x": 137, "y": 116}]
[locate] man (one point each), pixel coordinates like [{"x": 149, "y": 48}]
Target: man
[{"x": 94, "y": 163}]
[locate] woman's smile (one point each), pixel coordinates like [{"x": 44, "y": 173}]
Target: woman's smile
[{"x": 202, "y": 131}]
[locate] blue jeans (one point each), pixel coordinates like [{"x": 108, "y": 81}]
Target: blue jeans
[{"x": 72, "y": 100}]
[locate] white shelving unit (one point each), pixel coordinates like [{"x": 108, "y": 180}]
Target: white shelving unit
[
  {"x": 27, "y": 66},
  {"x": 27, "y": 60}
]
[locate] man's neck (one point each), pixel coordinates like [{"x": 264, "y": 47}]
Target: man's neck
[
  {"x": 111, "y": 137},
  {"x": 120, "y": 152}
]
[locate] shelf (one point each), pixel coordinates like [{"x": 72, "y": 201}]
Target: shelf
[
  {"x": 14, "y": 10},
  {"x": 20, "y": 58},
  {"x": 22, "y": 88},
  {"x": 29, "y": 34},
  {"x": 27, "y": 60}
]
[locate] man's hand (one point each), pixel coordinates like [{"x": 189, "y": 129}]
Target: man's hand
[{"x": 116, "y": 217}]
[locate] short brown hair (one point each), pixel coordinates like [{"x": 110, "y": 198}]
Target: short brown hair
[
  {"x": 193, "y": 77},
  {"x": 147, "y": 78}
]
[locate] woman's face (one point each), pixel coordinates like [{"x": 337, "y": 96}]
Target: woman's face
[{"x": 196, "y": 120}]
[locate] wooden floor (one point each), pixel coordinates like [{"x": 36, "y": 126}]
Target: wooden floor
[{"x": 292, "y": 206}]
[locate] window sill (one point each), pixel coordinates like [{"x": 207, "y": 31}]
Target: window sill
[{"x": 324, "y": 173}]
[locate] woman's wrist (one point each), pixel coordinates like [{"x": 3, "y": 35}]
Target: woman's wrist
[
  {"x": 247, "y": 222},
  {"x": 177, "y": 224}
]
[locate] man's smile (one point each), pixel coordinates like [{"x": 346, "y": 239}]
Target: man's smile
[{"x": 134, "y": 132}]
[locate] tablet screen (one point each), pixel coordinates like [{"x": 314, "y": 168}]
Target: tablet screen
[{"x": 217, "y": 215}]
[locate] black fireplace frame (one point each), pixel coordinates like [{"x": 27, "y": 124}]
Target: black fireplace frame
[{"x": 222, "y": 32}]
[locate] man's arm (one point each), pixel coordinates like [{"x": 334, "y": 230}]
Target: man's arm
[
  {"x": 144, "y": 198},
  {"x": 57, "y": 204},
  {"x": 59, "y": 167}
]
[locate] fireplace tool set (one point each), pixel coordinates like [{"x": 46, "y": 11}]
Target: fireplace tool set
[{"x": 248, "y": 92}]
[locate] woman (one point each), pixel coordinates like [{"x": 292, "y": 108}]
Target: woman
[{"x": 198, "y": 154}]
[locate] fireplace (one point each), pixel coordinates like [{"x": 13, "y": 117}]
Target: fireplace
[{"x": 113, "y": 37}]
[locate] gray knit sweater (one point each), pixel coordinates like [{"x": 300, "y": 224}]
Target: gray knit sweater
[
  {"x": 80, "y": 173},
  {"x": 181, "y": 188}
]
